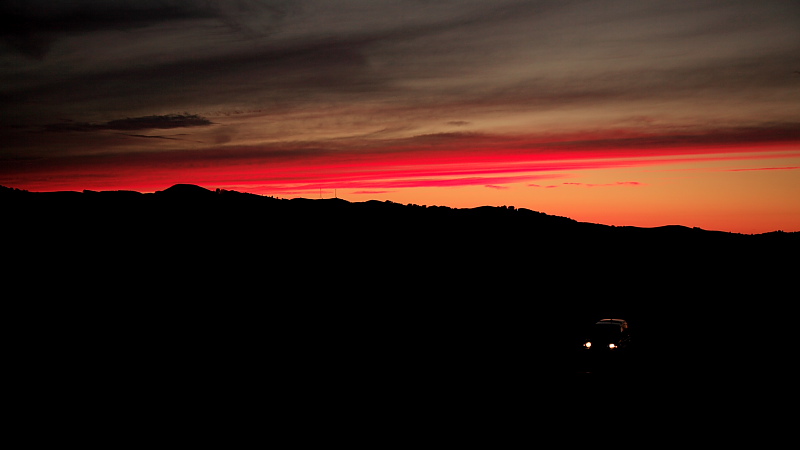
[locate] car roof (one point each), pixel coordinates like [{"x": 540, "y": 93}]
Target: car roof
[{"x": 619, "y": 322}]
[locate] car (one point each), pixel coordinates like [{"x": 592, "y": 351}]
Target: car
[{"x": 607, "y": 335}]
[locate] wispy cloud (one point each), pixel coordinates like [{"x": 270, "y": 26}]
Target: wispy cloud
[
  {"x": 147, "y": 136},
  {"x": 419, "y": 57},
  {"x": 168, "y": 121},
  {"x": 441, "y": 160},
  {"x": 32, "y": 27},
  {"x": 618, "y": 183},
  {"x": 764, "y": 168}
]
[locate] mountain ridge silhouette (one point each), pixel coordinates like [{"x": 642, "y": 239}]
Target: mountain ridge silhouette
[{"x": 190, "y": 192}]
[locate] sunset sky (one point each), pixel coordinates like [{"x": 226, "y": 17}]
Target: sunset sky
[{"x": 623, "y": 112}]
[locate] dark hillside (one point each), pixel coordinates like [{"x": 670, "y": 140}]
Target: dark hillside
[{"x": 491, "y": 292}]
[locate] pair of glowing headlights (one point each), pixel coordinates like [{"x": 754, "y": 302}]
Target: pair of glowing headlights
[{"x": 611, "y": 346}]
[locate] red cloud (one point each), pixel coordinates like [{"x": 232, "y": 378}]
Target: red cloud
[{"x": 452, "y": 159}]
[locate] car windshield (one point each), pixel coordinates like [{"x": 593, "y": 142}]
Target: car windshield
[{"x": 605, "y": 331}]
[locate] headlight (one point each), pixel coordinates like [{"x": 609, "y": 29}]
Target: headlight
[
  {"x": 612, "y": 346},
  {"x": 588, "y": 345}
]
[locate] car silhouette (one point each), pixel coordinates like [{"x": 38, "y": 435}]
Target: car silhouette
[{"x": 607, "y": 335}]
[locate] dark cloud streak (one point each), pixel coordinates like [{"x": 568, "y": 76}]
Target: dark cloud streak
[
  {"x": 30, "y": 27},
  {"x": 164, "y": 122}
]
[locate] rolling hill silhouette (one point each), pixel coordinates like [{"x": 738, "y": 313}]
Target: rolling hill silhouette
[
  {"x": 87, "y": 202},
  {"x": 343, "y": 283},
  {"x": 486, "y": 246}
]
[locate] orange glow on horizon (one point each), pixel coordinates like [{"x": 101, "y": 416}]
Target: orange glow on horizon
[{"x": 733, "y": 187}]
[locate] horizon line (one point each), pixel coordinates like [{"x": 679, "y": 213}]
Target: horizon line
[{"x": 508, "y": 207}]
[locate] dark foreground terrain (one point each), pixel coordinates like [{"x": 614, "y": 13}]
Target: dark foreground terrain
[{"x": 200, "y": 296}]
